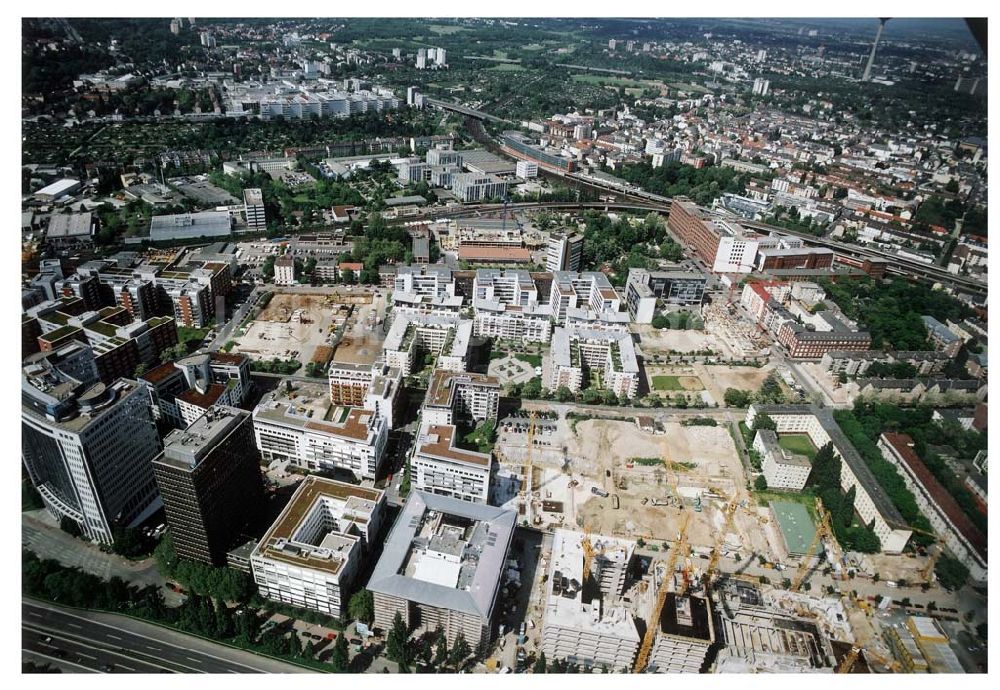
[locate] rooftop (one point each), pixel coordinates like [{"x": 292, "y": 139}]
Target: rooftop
[
  {"x": 441, "y": 389},
  {"x": 446, "y": 553},
  {"x": 308, "y": 406},
  {"x": 796, "y": 526},
  {"x": 186, "y": 448},
  {"x": 295, "y": 539},
  {"x": 438, "y": 441}
]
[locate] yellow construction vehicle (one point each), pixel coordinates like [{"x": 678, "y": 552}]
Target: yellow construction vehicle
[
  {"x": 661, "y": 598},
  {"x": 847, "y": 663},
  {"x": 823, "y": 531}
]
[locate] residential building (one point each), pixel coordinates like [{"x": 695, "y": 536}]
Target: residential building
[
  {"x": 349, "y": 383},
  {"x": 564, "y": 252},
  {"x": 463, "y": 395},
  {"x": 284, "y": 270},
  {"x": 88, "y": 449},
  {"x": 312, "y": 553},
  {"x": 253, "y": 206},
  {"x": 443, "y": 566},
  {"x": 941, "y": 337},
  {"x": 871, "y": 502},
  {"x": 582, "y": 358},
  {"x": 947, "y": 518},
  {"x": 643, "y": 288},
  {"x": 210, "y": 481},
  {"x": 782, "y": 468},
  {"x": 440, "y": 467},
  {"x": 445, "y": 338}
]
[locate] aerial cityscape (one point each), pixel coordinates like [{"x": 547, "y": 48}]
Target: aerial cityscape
[{"x": 504, "y": 345}]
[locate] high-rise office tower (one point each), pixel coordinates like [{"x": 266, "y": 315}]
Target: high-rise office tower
[
  {"x": 564, "y": 252},
  {"x": 88, "y": 449},
  {"x": 210, "y": 480}
]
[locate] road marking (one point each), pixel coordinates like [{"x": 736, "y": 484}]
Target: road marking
[
  {"x": 85, "y": 655},
  {"x": 126, "y": 667},
  {"x": 197, "y": 661},
  {"x": 113, "y": 637},
  {"x": 74, "y": 625},
  {"x": 155, "y": 649},
  {"x": 36, "y": 615}
]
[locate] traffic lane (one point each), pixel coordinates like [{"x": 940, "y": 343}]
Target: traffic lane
[
  {"x": 176, "y": 656},
  {"x": 65, "y": 647}
]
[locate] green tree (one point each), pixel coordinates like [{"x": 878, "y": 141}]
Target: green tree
[
  {"x": 397, "y": 642},
  {"x": 339, "y": 658},
  {"x": 361, "y": 606},
  {"x": 760, "y": 483},
  {"x": 70, "y": 526},
  {"x": 460, "y": 651},
  {"x": 734, "y": 397},
  {"x": 540, "y": 665},
  {"x": 563, "y": 394},
  {"x": 440, "y": 651},
  {"x": 764, "y": 421},
  {"x": 951, "y": 572}
]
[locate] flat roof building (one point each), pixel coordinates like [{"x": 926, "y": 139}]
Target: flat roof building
[
  {"x": 210, "y": 481},
  {"x": 184, "y": 226},
  {"x": 297, "y": 422},
  {"x": 440, "y": 467},
  {"x": 585, "y": 622},
  {"x": 442, "y": 565},
  {"x": 311, "y": 554}
]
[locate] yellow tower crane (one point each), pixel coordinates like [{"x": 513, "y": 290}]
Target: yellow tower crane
[
  {"x": 661, "y": 598},
  {"x": 528, "y": 467},
  {"x": 823, "y": 531}
]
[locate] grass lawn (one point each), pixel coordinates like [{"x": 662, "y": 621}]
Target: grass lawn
[
  {"x": 507, "y": 67},
  {"x": 184, "y": 334},
  {"x": 533, "y": 360},
  {"x": 667, "y": 383},
  {"x": 763, "y": 498},
  {"x": 798, "y": 443}
]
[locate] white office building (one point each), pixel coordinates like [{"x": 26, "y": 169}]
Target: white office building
[
  {"x": 311, "y": 554},
  {"x": 526, "y": 170},
  {"x": 297, "y": 422},
  {"x": 469, "y": 187},
  {"x": 253, "y": 206},
  {"x": 564, "y": 252},
  {"x": 440, "y": 467}
]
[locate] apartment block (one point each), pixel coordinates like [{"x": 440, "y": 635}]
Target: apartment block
[
  {"x": 948, "y": 520},
  {"x": 460, "y": 394},
  {"x": 684, "y": 635},
  {"x": 782, "y": 468},
  {"x": 871, "y": 501},
  {"x": 564, "y": 252},
  {"x": 297, "y": 422},
  {"x": 445, "y": 338},
  {"x": 583, "y": 358},
  {"x": 440, "y": 467}
]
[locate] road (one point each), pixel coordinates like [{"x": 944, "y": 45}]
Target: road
[{"x": 106, "y": 642}]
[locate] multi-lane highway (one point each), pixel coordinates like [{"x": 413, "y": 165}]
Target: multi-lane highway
[{"x": 89, "y": 641}]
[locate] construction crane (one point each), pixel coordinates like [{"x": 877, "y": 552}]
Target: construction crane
[
  {"x": 927, "y": 574},
  {"x": 528, "y": 466},
  {"x": 661, "y": 599},
  {"x": 823, "y": 530},
  {"x": 890, "y": 663}
]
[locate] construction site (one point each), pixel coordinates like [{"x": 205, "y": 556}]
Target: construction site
[
  {"x": 292, "y": 326},
  {"x": 614, "y": 478}
]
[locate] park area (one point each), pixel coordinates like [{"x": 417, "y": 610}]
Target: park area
[{"x": 667, "y": 382}]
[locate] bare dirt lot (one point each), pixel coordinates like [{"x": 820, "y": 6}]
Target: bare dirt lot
[
  {"x": 293, "y": 326},
  {"x": 654, "y": 341},
  {"x": 703, "y": 461},
  {"x": 363, "y": 336}
]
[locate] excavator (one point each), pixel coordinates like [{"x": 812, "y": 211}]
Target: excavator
[{"x": 661, "y": 598}]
